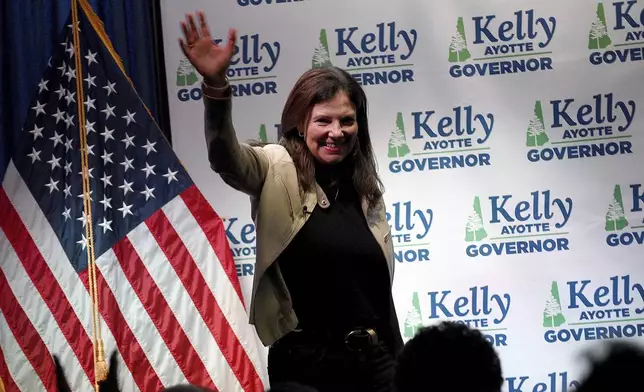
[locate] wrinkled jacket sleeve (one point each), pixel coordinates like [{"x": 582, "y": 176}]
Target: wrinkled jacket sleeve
[{"x": 240, "y": 165}]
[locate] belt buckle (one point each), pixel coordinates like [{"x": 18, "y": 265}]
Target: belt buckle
[{"x": 364, "y": 334}]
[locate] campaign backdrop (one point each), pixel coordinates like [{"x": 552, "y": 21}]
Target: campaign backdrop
[{"x": 509, "y": 136}]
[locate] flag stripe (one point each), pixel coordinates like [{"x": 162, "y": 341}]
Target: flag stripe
[
  {"x": 125, "y": 379},
  {"x": 214, "y": 229},
  {"x": 211, "y": 268},
  {"x": 37, "y": 312},
  {"x": 163, "y": 278},
  {"x": 160, "y": 313},
  {"x": 164, "y": 272},
  {"x": 140, "y": 321},
  {"x": 69, "y": 281},
  {"x": 5, "y": 376},
  {"x": 44, "y": 281},
  {"x": 202, "y": 298},
  {"x": 133, "y": 355},
  {"x": 15, "y": 323},
  {"x": 30, "y": 297},
  {"x": 195, "y": 240},
  {"x": 45, "y": 240},
  {"x": 229, "y": 311}
]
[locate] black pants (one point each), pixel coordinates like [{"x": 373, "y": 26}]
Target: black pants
[{"x": 330, "y": 366}]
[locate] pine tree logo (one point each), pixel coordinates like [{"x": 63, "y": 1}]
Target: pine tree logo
[
  {"x": 413, "y": 321},
  {"x": 186, "y": 74},
  {"x": 598, "y": 37},
  {"x": 552, "y": 315},
  {"x": 458, "y": 51},
  {"x": 321, "y": 56},
  {"x": 536, "y": 135},
  {"x": 474, "y": 230},
  {"x": 615, "y": 217},
  {"x": 398, "y": 147},
  {"x": 263, "y": 137}
]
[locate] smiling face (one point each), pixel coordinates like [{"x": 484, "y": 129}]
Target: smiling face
[{"x": 332, "y": 129}]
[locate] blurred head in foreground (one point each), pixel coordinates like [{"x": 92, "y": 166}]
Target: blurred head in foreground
[
  {"x": 448, "y": 357},
  {"x": 619, "y": 370}
]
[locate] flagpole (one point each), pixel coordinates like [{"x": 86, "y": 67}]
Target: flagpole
[{"x": 100, "y": 366}]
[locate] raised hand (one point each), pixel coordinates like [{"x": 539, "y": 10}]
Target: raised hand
[{"x": 208, "y": 58}]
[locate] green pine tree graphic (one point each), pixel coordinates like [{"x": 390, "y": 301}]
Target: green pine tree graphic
[
  {"x": 474, "y": 230},
  {"x": 552, "y": 315},
  {"x": 536, "y": 135},
  {"x": 413, "y": 321},
  {"x": 262, "y": 134},
  {"x": 186, "y": 75},
  {"x": 321, "y": 56},
  {"x": 615, "y": 217},
  {"x": 598, "y": 36},
  {"x": 398, "y": 147},
  {"x": 458, "y": 51}
]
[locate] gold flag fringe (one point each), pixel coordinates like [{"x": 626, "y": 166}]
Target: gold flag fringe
[{"x": 100, "y": 366}]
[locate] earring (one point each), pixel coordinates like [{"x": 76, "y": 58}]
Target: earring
[{"x": 301, "y": 134}]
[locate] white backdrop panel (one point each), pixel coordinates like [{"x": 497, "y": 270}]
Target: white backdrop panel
[{"x": 509, "y": 138}]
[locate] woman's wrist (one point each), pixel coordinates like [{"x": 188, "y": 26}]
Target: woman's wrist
[
  {"x": 216, "y": 82},
  {"x": 216, "y": 89}
]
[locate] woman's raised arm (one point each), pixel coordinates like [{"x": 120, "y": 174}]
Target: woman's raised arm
[{"x": 241, "y": 166}]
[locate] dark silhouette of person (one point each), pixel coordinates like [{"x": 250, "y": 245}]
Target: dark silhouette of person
[
  {"x": 451, "y": 357},
  {"x": 619, "y": 370}
]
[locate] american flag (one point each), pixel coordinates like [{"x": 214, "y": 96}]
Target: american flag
[{"x": 169, "y": 297}]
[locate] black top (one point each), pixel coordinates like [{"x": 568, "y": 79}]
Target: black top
[{"x": 335, "y": 270}]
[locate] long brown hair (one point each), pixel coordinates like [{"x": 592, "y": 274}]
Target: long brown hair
[{"x": 320, "y": 85}]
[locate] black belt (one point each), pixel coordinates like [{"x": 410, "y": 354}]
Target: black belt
[{"x": 356, "y": 340}]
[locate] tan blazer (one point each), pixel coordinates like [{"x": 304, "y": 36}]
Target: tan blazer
[{"x": 268, "y": 175}]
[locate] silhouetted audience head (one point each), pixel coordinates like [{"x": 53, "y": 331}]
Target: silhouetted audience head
[
  {"x": 619, "y": 370},
  {"x": 291, "y": 387},
  {"x": 448, "y": 357},
  {"x": 110, "y": 384}
]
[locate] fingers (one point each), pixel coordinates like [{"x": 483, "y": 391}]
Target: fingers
[
  {"x": 189, "y": 35},
  {"x": 189, "y": 30},
  {"x": 232, "y": 37},
  {"x": 192, "y": 34},
  {"x": 184, "y": 48},
  {"x": 205, "y": 32},
  {"x": 193, "y": 26},
  {"x": 184, "y": 29}
]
